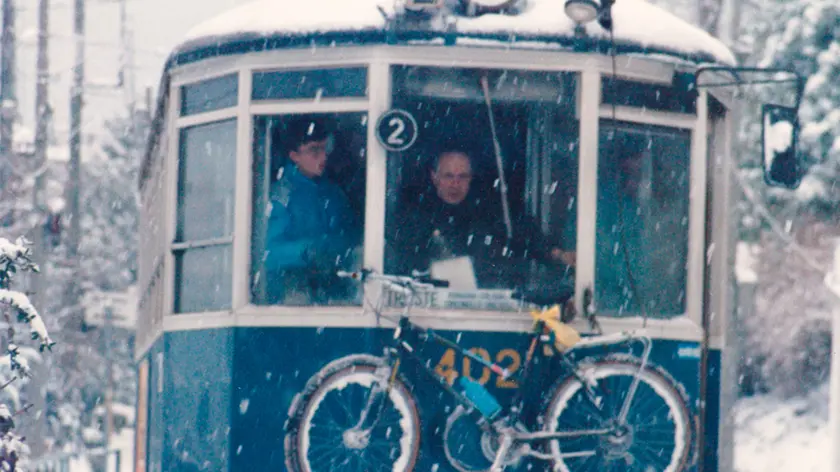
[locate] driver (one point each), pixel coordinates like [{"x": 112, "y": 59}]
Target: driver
[{"x": 446, "y": 224}]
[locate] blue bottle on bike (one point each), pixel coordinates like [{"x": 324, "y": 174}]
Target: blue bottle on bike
[{"x": 483, "y": 400}]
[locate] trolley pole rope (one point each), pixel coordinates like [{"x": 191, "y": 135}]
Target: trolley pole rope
[{"x": 499, "y": 164}]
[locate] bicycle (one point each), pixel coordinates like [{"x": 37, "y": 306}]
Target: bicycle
[{"x": 385, "y": 431}]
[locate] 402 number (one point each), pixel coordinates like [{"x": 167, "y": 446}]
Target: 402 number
[{"x": 507, "y": 358}]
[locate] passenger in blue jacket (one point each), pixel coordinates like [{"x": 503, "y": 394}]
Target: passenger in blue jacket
[{"x": 312, "y": 231}]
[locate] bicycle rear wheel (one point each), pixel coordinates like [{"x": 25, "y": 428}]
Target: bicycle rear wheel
[
  {"x": 322, "y": 434},
  {"x": 657, "y": 434}
]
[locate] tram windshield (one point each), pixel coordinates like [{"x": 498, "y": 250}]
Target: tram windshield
[
  {"x": 446, "y": 212},
  {"x": 485, "y": 196}
]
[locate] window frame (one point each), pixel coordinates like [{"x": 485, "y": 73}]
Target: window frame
[
  {"x": 176, "y": 122},
  {"x": 695, "y": 124},
  {"x": 279, "y": 108},
  {"x": 244, "y": 112},
  {"x": 640, "y": 128},
  {"x": 534, "y": 171},
  {"x": 179, "y": 248},
  {"x": 379, "y": 59}
]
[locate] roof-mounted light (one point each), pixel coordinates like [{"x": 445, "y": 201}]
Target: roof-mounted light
[{"x": 582, "y": 11}]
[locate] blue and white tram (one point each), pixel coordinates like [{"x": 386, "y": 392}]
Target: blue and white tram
[{"x": 285, "y": 129}]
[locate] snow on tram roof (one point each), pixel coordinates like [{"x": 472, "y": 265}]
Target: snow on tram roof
[{"x": 265, "y": 24}]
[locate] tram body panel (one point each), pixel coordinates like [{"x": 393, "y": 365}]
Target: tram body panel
[{"x": 226, "y": 392}]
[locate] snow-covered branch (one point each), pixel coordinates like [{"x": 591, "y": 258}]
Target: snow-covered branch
[{"x": 14, "y": 258}]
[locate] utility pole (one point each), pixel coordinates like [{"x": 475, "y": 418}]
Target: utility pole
[
  {"x": 832, "y": 280},
  {"x": 8, "y": 99},
  {"x": 42, "y": 114},
  {"x": 109, "y": 378},
  {"x": 126, "y": 73},
  {"x": 74, "y": 171},
  {"x": 745, "y": 285},
  {"x": 42, "y": 117}
]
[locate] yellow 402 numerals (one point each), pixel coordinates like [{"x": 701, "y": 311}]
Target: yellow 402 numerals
[{"x": 507, "y": 358}]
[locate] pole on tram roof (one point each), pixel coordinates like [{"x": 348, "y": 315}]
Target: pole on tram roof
[{"x": 832, "y": 279}]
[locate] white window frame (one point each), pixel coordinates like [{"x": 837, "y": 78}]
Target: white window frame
[
  {"x": 688, "y": 325},
  {"x": 378, "y": 60},
  {"x": 176, "y": 124}
]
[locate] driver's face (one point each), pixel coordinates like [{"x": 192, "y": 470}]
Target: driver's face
[{"x": 453, "y": 177}]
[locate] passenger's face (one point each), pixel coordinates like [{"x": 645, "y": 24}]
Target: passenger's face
[
  {"x": 311, "y": 158},
  {"x": 453, "y": 177}
]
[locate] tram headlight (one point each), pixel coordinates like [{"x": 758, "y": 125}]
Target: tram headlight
[
  {"x": 490, "y": 6},
  {"x": 582, "y": 11},
  {"x": 423, "y": 5}
]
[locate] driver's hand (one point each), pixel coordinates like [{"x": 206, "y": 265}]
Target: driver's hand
[{"x": 566, "y": 257}]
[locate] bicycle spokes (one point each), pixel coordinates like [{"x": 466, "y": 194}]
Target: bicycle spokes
[
  {"x": 356, "y": 427},
  {"x": 652, "y": 435}
]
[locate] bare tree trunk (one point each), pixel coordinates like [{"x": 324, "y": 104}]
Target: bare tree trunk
[
  {"x": 708, "y": 12},
  {"x": 728, "y": 20}
]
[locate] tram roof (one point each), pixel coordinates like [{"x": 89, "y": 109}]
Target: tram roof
[{"x": 639, "y": 27}]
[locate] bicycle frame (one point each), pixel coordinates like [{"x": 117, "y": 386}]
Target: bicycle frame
[{"x": 402, "y": 347}]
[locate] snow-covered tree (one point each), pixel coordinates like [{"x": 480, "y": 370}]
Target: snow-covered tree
[
  {"x": 106, "y": 263},
  {"x": 110, "y": 208},
  {"x": 808, "y": 41},
  {"x": 787, "y": 345},
  {"x": 16, "y": 308}
]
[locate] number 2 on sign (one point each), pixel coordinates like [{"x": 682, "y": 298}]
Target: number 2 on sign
[
  {"x": 395, "y": 136},
  {"x": 507, "y": 358}
]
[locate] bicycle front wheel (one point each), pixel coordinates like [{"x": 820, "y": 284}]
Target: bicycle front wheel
[
  {"x": 656, "y": 434},
  {"x": 326, "y": 432}
]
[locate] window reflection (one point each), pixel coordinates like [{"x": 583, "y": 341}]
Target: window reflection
[
  {"x": 642, "y": 220},
  {"x": 203, "y": 278},
  {"x": 206, "y": 183},
  {"x": 445, "y": 211},
  {"x": 681, "y": 98},
  {"x": 309, "y": 184},
  {"x": 298, "y": 84},
  {"x": 209, "y": 95}
]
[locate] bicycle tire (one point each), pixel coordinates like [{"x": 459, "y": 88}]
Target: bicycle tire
[
  {"x": 481, "y": 447},
  {"x": 339, "y": 374},
  {"x": 658, "y": 381}
]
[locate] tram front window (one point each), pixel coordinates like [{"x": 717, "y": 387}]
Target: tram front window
[
  {"x": 309, "y": 187},
  {"x": 642, "y": 220},
  {"x": 445, "y": 209}
]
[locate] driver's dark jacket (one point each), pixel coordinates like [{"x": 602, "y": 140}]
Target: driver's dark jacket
[{"x": 433, "y": 229}]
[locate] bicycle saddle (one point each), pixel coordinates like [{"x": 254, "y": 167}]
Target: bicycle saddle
[{"x": 554, "y": 294}]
